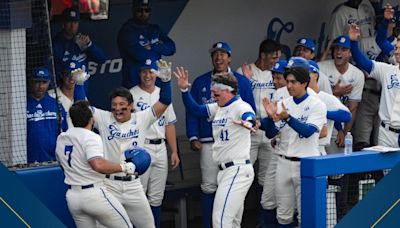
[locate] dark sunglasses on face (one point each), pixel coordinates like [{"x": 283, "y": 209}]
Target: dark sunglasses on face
[{"x": 146, "y": 10}]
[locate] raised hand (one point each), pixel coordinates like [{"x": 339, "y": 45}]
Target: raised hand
[
  {"x": 164, "y": 69},
  {"x": 80, "y": 76},
  {"x": 183, "y": 78},
  {"x": 354, "y": 32},
  {"x": 270, "y": 107},
  {"x": 388, "y": 13},
  {"x": 246, "y": 69}
]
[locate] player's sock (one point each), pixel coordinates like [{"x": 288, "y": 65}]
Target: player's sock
[
  {"x": 207, "y": 203},
  {"x": 157, "y": 215},
  {"x": 270, "y": 217}
]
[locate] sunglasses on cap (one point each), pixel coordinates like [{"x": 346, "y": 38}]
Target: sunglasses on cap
[{"x": 145, "y": 10}]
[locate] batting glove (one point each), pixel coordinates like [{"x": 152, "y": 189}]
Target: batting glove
[
  {"x": 128, "y": 168},
  {"x": 164, "y": 69},
  {"x": 80, "y": 76}
]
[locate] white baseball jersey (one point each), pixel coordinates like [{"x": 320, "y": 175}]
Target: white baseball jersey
[
  {"x": 332, "y": 104},
  {"x": 364, "y": 16},
  {"x": 232, "y": 141},
  {"x": 65, "y": 102},
  {"x": 143, "y": 100},
  {"x": 75, "y": 148},
  {"x": 324, "y": 84},
  {"x": 283, "y": 93},
  {"x": 311, "y": 111},
  {"x": 352, "y": 76},
  {"x": 389, "y": 76},
  {"x": 117, "y": 137},
  {"x": 262, "y": 86}
]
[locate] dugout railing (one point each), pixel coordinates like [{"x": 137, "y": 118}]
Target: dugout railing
[{"x": 314, "y": 173}]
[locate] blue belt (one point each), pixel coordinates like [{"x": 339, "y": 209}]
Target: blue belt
[{"x": 229, "y": 164}]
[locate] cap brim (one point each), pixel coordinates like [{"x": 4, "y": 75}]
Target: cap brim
[{"x": 212, "y": 50}]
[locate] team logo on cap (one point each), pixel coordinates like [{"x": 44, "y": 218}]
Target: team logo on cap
[
  {"x": 148, "y": 62},
  {"x": 41, "y": 73},
  {"x": 276, "y": 65},
  {"x": 342, "y": 40},
  {"x": 303, "y": 41},
  {"x": 290, "y": 63},
  {"x": 219, "y": 45}
]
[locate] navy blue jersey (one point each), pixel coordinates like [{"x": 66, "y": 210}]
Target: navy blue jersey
[
  {"x": 65, "y": 50},
  {"x": 43, "y": 128},
  {"x": 132, "y": 40},
  {"x": 200, "y": 128}
]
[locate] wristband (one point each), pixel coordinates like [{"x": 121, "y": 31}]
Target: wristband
[{"x": 184, "y": 90}]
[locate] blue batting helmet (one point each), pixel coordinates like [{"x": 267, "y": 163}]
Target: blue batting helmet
[{"x": 140, "y": 157}]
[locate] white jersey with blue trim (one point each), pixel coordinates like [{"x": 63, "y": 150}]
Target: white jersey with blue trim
[
  {"x": 143, "y": 100},
  {"x": 283, "y": 93},
  {"x": 262, "y": 86},
  {"x": 352, "y": 76},
  {"x": 75, "y": 148},
  {"x": 118, "y": 137},
  {"x": 232, "y": 141},
  {"x": 332, "y": 104},
  {"x": 389, "y": 76},
  {"x": 311, "y": 111}
]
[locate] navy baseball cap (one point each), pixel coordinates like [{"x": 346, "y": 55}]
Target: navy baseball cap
[
  {"x": 71, "y": 14},
  {"x": 298, "y": 62},
  {"x": 140, "y": 3},
  {"x": 307, "y": 43},
  {"x": 223, "y": 46},
  {"x": 280, "y": 66},
  {"x": 41, "y": 74},
  {"x": 314, "y": 68},
  {"x": 343, "y": 41},
  {"x": 150, "y": 64}
]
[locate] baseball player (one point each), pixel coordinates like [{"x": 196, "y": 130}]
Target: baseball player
[
  {"x": 232, "y": 121},
  {"x": 388, "y": 75},
  {"x": 144, "y": 95},
  {"x": 80, "y": 154},
  {"x": 306, "y": 48},
  {"x": 336, "y": 111},
  {"x": 260, "y": 76},
  {"x": 299, "y": 133},
  {"x": 348, "y": 81},
  {"x": 121, "y": 129},
  {"x": 45, "y": 118},
  {"x": 199, "y": 130},
  {"x": 362, "y": 13}
]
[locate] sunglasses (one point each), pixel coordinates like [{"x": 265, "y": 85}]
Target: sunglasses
[{"x": 145, "y": 10}]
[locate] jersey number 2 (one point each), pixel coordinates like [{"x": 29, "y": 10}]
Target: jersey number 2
[
  {"x": 224, "y": 135},
  {"x": 68, "y": 152}
]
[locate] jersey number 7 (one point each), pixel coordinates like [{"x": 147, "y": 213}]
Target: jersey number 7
[{"x": 68, "y": 152}]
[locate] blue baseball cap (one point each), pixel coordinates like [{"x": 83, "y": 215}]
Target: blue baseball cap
[
  {"x": 314, "y": 68},
  {"x": 343, "y": 41},
  {"x": 223, "y": 46},
  {"x": 307, "y": 43},
  {"x": 298, "y": 62},
  {"x": 72, "y": 65},
  {"x": 71, "y": 14},
  {"x": 41, "y": 74},
  {"x": 149, "y": 64},
  {"x": 140, "y": 3},
  {"x": 280, "y": 66}
]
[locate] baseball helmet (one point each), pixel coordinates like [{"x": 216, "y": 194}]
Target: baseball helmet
[
  {"x": 140, "y": 157},
  {"x": 298, "y": 62}
]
